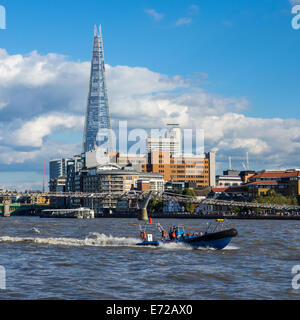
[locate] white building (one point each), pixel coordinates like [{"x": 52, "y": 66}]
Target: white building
[{"x": 170, "y": 141}]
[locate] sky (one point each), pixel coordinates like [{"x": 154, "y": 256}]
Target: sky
[{"x": 228, "y": 67}]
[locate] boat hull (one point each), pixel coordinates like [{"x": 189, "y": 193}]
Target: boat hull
[{"x": 216, "y": 240}]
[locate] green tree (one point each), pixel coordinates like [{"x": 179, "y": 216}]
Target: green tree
[
  {"x": 189, "y": 206},
  {"x": 189, "y": 192},
  {"x": 156, "y": 206},
  {"x": 275, "y": 198}
]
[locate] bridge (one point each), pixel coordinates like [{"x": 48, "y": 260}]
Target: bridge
[{"x": 143, "y": 198}]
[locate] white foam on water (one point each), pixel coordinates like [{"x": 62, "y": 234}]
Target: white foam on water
[
  {"x": 231, "y": 247},
  {"x": 94, "y": 239},
  {"x": 174, "y": 246}
]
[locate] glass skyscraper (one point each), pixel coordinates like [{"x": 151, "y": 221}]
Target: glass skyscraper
[{"x": 97, "y": 129}]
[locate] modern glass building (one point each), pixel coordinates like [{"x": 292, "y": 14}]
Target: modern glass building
[
  {"x": 58, "y": 168},
  {"x": 97, "y": 129}
]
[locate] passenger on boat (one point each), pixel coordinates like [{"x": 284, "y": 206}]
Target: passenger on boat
[
  {"x": 175, "y": 230},
  {"x": 170, "y": 233},
  {"x": 173, "y": 235},
  {"x": 163, "y": 234}
]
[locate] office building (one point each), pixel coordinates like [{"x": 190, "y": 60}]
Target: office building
[
  {"x": 58, "y": 168},
  {"x": 170, "y": 141},
  {"x": 97, "y": 120},
  {"x": 116, "y": 179},
  {"x": 198, "y": 170}
]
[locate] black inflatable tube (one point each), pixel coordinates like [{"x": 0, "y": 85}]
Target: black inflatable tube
[{"x": 214, "y": 236}]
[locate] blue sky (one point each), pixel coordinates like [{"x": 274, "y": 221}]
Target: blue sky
[
  {"x": 247, "y": 48},
  {"x": 242, "y": 49}
]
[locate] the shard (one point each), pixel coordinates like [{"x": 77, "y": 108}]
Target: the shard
[{"x": 97, "y": 129}]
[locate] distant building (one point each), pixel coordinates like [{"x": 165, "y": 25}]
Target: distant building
[
  {"x": 232, "y": 178},
  {"x": 58, "y": 185},
  {"x": 112, "y": 178},
  {"x": 97, "y": 117},
  {"x": 170, "y": 142},
  {"x": 246, "y": 175},
  {"x": 198, "y": 170},
  {"x": 172, "y": 206},
  {"x": 285, "y": 182},
  {"x": 228, "y": 180},
  {"x": 39, "y": 200},
  {"x": 58, "y": 168},
  {"x": 74, "y": 166}
]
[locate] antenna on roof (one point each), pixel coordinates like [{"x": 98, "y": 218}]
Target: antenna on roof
[
  {"x": 229, "y": 163},
  {"x": 246, "y": 166},
  {"x": 247, "y": 160}
]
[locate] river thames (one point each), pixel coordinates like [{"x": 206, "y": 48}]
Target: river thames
[{"x": 98, "y": 259}]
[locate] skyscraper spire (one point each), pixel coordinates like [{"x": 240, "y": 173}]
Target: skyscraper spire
[{"x": 97, "y": 121}]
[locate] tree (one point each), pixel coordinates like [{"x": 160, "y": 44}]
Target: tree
[
  {"x": 275, "y": 198},
  {"x": 189, "y": 192},
  {"x": 156, "y": 206},
  {"x": 189, "y": 206}
]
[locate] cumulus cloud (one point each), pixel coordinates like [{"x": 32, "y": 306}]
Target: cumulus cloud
[
  {"x": 32, "y": 85},
  {"x": 32, "y": 132},
  {"x": 45, "y": 96}
]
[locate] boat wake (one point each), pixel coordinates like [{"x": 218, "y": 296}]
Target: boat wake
[
  {"x": 99, "y": 240},
  {"x": 93, "y": 239}
]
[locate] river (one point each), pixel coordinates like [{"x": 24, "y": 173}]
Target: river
[{"x": 98, "y": 259}]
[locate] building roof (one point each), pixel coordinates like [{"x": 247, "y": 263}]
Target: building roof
[
  {"x": 229, "y": 189},
  {"x": 276, "y": 174},
  {"x": 218, "y": 189},
  {"x": 272, "y": 182}
]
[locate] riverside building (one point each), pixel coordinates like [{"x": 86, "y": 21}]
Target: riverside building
[
  {"x": 112, "y": 178},
  {"x": 285, "y": 182},
  {"x": 195, "y": 169}
]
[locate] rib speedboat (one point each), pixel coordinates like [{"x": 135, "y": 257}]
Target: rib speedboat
[{"x": 216, "y": 237}]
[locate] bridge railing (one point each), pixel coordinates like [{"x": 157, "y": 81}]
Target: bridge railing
[{"x": 141, "y": 196}]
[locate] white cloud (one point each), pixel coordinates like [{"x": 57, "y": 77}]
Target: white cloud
[
  {"x": 123, "y": 80},
  {"x": 154, "y": 14},
  {"x": 183, "y": 21},
  {"x": 3, "y": 105},
  {"x": 42, "y": 96},
  {"x": 32, "y": 132}
]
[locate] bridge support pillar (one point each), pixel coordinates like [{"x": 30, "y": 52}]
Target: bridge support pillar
[
  {"x": 143, "y": 214},
  {"x": 6, "y": 212}
]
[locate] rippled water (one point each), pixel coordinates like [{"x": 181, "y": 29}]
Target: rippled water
[{"x": 98, "y": 259}]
